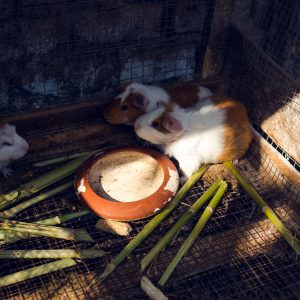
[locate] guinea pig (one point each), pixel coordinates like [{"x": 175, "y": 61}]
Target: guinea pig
[
  {"x": 12, "y": 147},
  {"x": 136, "y": 99},
  {"x": 216, "y": 129}
]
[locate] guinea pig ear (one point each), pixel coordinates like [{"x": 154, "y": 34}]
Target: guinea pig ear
[
  {"x": 172, "y": 124},
  {"x": 140, "y": 101}
]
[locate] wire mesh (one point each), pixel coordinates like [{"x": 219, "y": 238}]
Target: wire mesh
[
  {"x": 60, "y": 51},
  {"x": 238, "y": 252},
  {"x": 52, "y": 51},
  {"x": 271, "y": 28}
]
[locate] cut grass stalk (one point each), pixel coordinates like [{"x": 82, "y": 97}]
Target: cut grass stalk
[
  {"x": 194, "y": 234},
  {"x": 57, "y": 253},
  {"x": 64, "y": 218},
  {"x": 36, "y": 271},
  {"x": 266, "y": 209},
  {"x": 17, "y": 209},
  {"x": 10, "y": 237},
  {"x": 150, "y": 226},
  {"x": 167, "y": 238},
  {"x": 35, "y": 185},
  {"x": 45, "y": 230},
  {"x": 64, "y": 158}
]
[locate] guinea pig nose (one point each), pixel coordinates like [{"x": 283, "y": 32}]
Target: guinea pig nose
[{"x": 137, "y": 126}]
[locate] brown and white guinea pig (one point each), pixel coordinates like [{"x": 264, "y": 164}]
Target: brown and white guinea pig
[
  {"x": 12, "y": 147},
  {"x": 136, "y": 99},
  {"x": 216, "y": 129}
]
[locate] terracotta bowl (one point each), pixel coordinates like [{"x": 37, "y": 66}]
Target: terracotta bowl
[{"x": 126, "y": 183}]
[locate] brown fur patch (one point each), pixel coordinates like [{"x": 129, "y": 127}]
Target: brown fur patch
[
  {"x": 185, "y": 95},
  {"x": 114, "y": 113},
  {"x": 237, "y": 134},
  {"x": 161, "y": 119}
]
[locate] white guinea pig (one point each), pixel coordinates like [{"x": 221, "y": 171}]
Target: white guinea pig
[
  {"x": 215, "y": 130},
  {"x": 12, "y": 147},
  {"x": 136, "y": 99}
]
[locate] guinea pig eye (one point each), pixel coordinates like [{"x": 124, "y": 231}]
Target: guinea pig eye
[
  {"x": 155, "y": 124},
  {"x": 124, "y": 107}
]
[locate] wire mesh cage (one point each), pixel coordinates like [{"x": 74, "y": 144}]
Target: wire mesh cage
[{"x": 62, "y": 51}]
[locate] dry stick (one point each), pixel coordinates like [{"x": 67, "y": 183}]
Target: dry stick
[
  {"x": 151, "y": 290},
  {"x": 36, "y": 271},
  {"x": 194, "y": 234},
  {"x": 41, "y": 182},
  {"x": 161, "y": 244},
  {"x": 15, "y": 210},
  {"x": 150, "y": 226},
  {"x": 266, "y": 209},
  {"x": 10, "y": 237},
  {"x": 45, "y": 230},
  {"x": 57, "y": 253}
]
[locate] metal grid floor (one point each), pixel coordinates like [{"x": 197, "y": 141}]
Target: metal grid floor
[{"x": 238, "y": 254}]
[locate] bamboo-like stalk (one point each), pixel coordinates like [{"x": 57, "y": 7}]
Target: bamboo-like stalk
[
  {"x": 151, "y": 225},
  {"x": 64, "y": 218},
  {"x": 67, "y": 157},
  {"x": 45, "y": 230},
  {"x": 17, "y": 209},
  {"x": 37, "y": 184},
  {"x": 47, "y": 253},
  {"x": 36, "y": 271},
  {"x": 266, "y": 209},
  {"x": 194, "y": 234},
  {"x": 167, "y": 238},
  {"x": 10, "y": 237}
]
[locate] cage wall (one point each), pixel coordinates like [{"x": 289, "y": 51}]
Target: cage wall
[
  {"x": 56, "y": 52},
  {"x": 62, "y": 51},
  {"x": 263, "y": 62}
]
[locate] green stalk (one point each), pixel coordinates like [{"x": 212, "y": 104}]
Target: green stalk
[
  {"x": 266, "y": 209},
  {"x": 36, "y": 271},
  {"x": 57, "y": 253},
  {"x": 6, "y": 236},
  {"x": 194, "y": 234},
  {"x": 10, "y": 237},
  {"x": 15, "y": 210},
  {"x": 41, "y": 182},
  {"x": 45, "y": 230},
  {"x": 151, "y": 225},
  {"x": 167, "y": 238},
  {"x": 64, "y": 218},
  {"x": 66, "y": 157}
]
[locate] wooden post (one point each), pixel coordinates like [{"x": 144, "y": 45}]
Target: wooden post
[{"x": 215, "y": 50}]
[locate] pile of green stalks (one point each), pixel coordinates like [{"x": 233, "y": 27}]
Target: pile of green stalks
[
  {"x": 25, "y": 196},
  {"x": 215, "y": 193}
]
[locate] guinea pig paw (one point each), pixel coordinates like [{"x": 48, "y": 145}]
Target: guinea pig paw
[{"x": 6, "y": 171}]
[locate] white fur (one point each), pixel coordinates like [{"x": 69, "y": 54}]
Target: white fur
[
  {"x": 200, "y": 141},
  {"x": 144, "y": 129},
  {"x": 195, "y": 148},
  {"x": 12, "y": 147},
  {"x": 153, "y": 94},
  {"x": 204, "y": 92}
]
